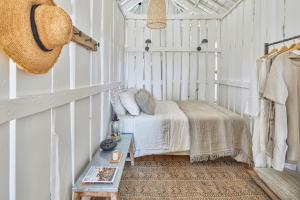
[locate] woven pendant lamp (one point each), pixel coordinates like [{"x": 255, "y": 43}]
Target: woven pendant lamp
[{"x": 157, "y": 14}]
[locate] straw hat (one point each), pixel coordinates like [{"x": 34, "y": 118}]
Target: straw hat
[{"x": 33, "y": 33}]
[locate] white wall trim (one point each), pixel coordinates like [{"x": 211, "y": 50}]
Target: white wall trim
[
  {"x": 11, "y": 109},
  {"x": 235, "y": 83}
]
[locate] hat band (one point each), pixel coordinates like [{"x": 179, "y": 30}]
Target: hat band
[{"x": 34, "y": 29}]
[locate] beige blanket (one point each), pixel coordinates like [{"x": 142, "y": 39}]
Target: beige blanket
[{"x": 216, "y": 132}]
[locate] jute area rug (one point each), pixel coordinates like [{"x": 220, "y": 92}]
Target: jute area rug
[{"x": 181, "y": 180}]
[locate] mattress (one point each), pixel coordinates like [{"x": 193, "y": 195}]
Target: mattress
[{"x": 165, "y": 132}]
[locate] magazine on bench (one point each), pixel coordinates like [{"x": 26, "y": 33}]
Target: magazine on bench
[{"x": 100, "y": 175}]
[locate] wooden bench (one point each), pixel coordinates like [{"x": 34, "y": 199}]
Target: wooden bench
[{"x": 102, "y": 158}]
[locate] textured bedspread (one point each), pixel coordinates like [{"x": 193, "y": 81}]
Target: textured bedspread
[
  {"x": 165, "y": 132},
  {"x": 216, "y": 132}
]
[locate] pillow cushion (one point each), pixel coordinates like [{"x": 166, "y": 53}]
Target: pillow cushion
[
  {"x": 116, "y": 102},
  {"x": 145, "y": 101},
  {"x": 128, "y": 100}
]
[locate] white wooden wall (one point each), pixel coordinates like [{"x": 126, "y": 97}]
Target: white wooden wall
[
  {"x": 50, "y": 125},
  {"x": 173, "y": 69},
  {"x": 243, "y": 34}
]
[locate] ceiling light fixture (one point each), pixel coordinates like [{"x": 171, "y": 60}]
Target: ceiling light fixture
[{"x": 157, "y": 14}]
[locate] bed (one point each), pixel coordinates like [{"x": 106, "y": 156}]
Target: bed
[
  {"x": 165, "y": 132},
  {"x": 202, "y": 130},
  {"x": 216, "y": 132}
]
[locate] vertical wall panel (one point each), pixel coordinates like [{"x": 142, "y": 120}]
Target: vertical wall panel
[
  {"x": 177, "y": 41},
  {"x": 4, "y": 161},
  {"x": 33, "y": 157},
  {"x": 27, "y": 83},
  {"x": 170, "y": 67},
  {"x": 169, "y": 59},
  {"x": 4, "y": 76},
  {"x": 292, "y": 15},
  {"x": 63, "y": 131},
  {"x": 193, "y": 76},
  {"x": 174, "y": 69},
  {"x": 96, "y": 56},
  {"x": 139, "y": 70},
  {"x": 148, "y": 71},
  {"x": 131, "y": 70},
  {"x": 61, "y": 72},
  {"x": 157, "y": 75},
  {"x": 96, "y": 113},
  {"x": 82, "y": 72},
  {"x": 202, "y": 77},
  {"x": 82, "y": 140},
  {"x": 185, "y": 60}
]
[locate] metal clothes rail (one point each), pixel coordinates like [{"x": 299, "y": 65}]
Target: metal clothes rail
[{"x": 267, "y": 45}]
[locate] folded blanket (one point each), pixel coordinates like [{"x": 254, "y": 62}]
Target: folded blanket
[{"x": 216, "y": 132}]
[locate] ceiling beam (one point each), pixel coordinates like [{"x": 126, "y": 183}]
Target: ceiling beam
[
  {"x": 129, "y": 5},
  {"x": 232, "y": 8},
  {"x": 217, "y": 4},
  {"x": 202, "y": 6},
  {"x": 179, "y": 7},
  {"x": 191, "y": 8}
]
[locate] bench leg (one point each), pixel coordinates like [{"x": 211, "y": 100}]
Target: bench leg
[
  {"x": 131, "y": 152},
  {"x": 77, "y": 196},
  {"x": 115, "y": 196}
]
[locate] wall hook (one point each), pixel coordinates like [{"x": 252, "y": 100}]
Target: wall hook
[
  {"x": 78, "y": 33},
  {"x": 204, "y": 41},
  {"x": 148, "y": 41}
]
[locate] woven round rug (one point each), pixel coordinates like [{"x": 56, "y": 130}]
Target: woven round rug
[{"x": 182, "y": 180}]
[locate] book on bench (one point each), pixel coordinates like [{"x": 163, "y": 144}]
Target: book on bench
[{"x": 100, "y": 175}]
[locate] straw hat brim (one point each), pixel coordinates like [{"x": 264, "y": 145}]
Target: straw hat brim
[{"x": 18, "y": 42}]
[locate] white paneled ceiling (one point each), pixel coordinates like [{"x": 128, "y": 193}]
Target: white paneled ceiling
[{"x": 196, "y": 7}]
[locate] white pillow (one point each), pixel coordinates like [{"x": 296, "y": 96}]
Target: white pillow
[
  {"x": 128, "y": 100},
  {"x": 116, "y": 102}
]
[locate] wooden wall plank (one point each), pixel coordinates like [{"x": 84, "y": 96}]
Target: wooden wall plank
[
  {"x": 170, "y": 69},
  {"x": 131, "y": 70},
  {"x": 4, "y": 160},
  {"x": 157, "y": 75},
  {"x": 139, "y": 31},
  {"x": 82, "y": 140},
  {"x": 27, "y": 83},
  {"x": 33, "y": 157},
  {"x": 148, "y": 72},
  {"x": 139, "y": 70},
  {"x": 96, "y": 114},
  {"x": 63, "y": 132},
  {"x": 193, "y": 76},
  {"x": 185, "y": 24},
  {"x": 4, "y": 76},
  {"x": 177, "y": 67},
  {"x": 82, "y": 68},
  {"x": 202, "y": 78},
  {"x": 61, "y": 73}
]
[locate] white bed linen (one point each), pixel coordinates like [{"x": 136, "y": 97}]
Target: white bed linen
[{"x": 151, "y": 131}]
